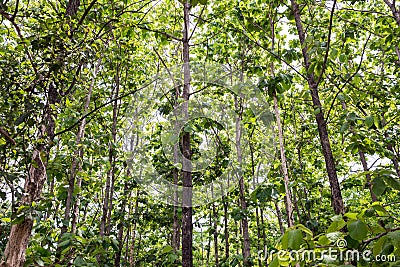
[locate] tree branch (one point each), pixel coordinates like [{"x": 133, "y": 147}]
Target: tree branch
[
  {"x": 7, "y": 136},
  {"x": 101, "y": 106},
  {"x": 366, "y": 242},
  {"x": 327, "y": 44},
  {"x": 160, "y": 32},
  {"x": 349, "y": 79}
]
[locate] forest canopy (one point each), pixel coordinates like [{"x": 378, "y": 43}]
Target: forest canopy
[{"x": 199, "y": 133}]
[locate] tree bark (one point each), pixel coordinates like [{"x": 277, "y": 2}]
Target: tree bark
[
  {"x": 187, "y": 226},
  {"x": 72, "y": 8},
  {"x": 242, "y": 199},
  {"x": 112, "y": 150},
  {"x": 336, "y": 194},
  {"x": 289, "y": 204},
  {"x": 279, "y": 215},
  {"x": 14, "y": 253},
  {"x": 120, "y": 235},
  {"x": 132, "y": 261},
  {"x": 215, "y": 226},
  {"x": 226, "y": 228}
]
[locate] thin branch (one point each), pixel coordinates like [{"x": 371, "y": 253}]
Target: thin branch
[
  {"x": 84, "y": 14},
  {"x": 327, "y": 44},
  {"x": 160, "y": 32},
  {"x": 101, "y": 106},
  {"x": 195, "y": 26},
  {"x": 16, "y": 9},
  {"x": 380, "y": 235},
  {"x": 349, "y": 79},
  {"x": 170, "y": 76},
  {"x": 276, "y": 56},
  {"x": 7, "y": 136},
  {"x": 364, "y": 11}
]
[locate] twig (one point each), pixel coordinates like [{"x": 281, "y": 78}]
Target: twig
[
  {"x": 380, "y": 235},
  {"x": 7, "y": 136},
  {"x": 101, "y": 106},
  {"x": 349, "y": 79},
  {"x": 160, "y": 32},
  {"x": 327, "y": 44}
]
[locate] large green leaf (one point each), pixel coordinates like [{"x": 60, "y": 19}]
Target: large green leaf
[{"x": 358, "y": 230}]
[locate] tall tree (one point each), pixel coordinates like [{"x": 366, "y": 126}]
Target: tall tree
[
  {"x": 187, "y": 226},
  {"x": 336, "y": 194}
]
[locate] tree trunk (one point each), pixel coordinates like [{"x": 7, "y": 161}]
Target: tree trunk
[
  {"x": 72, "y": 8},
  {"x": 242, "y": 199},
  {"x": 215, "y": 226},
  {"x": 14, "y": 253},
  {"x": 289, "y": 204},
  {"x": 187, "y": 226},
  {"x": 132, "y": 261},
  {"x": 226, "y": 228},
  {"x": 108, "y": 195},
  {"x": 77, "y": 157},
  {"x": 112, "y": 150},
  {"x": 121, "y": 226},
  {"x": 336, "y": 194},
  {"x": 279, "y": 215}
]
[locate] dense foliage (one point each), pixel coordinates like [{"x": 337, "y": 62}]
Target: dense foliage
[{"x": 81, "y": 108}]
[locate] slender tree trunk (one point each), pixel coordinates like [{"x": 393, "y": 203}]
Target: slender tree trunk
[
  {"x": 112, "y": 150},
  {"x": 288, "y": 196},
  {"x": 263, "y": 235},
  {"x": 226, "y": 228},
  {"x": 337, "y": 201},
  {"x": 215, "y": 226},
  {"x": 242, "y": 199},
  {"x": 187, "y": 226},
  {"x": 289, "y": 204},
  {"x": 121, "y": 225},
  {"x": 209, "y": 242},
  {"x": 132, "y": 261},
  {"x": 279, "y": 215},
  {"x": 77, "y": 157},
  {"x": 105, "y": 223}
]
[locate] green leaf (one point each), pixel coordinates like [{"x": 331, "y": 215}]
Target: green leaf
[
  {"x": 379, "y": 209},
  {"x": 39, "y": 262},
  {"x": 358, "y": 230},
  {"x": 333, "y": 54},
  {"x": 376, "y": 122},
  {"x": 64, "y": 243},
  {"x": 79, "y": 261},
  {"x": 395, "y": 238},
  {"x": 369, "y": 121},
  {"x": 392, "y": 182},
  {"x": 166, "y": 249},
  {"x": 344, "y": 127},
  {"x": 378, "y": 186},
  {"x": 378, "y": 245},
  {"x": 293, "y": 240},
  {"x": 305, "y": 229}
]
